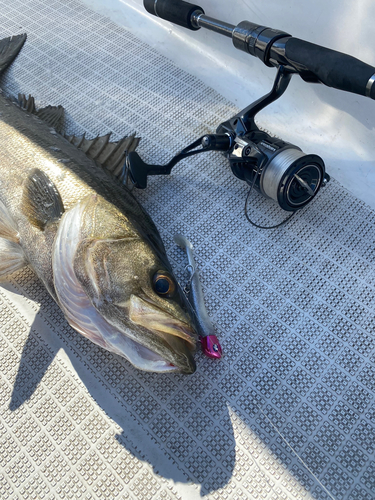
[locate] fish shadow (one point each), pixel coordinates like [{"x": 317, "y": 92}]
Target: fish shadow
[
  {"x": 171, "y": 421},
  {"x": 35, "y": 361}
]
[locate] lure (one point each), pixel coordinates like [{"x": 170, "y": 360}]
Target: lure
[{"x": 209, "y": 341}]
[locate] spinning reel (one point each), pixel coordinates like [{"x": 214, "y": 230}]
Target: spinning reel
[{"x": 277, "y": 169}]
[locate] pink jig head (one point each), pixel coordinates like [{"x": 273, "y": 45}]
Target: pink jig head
[
  {"x": 211, "y": 347},
  {"x": 210, "y": 343}
]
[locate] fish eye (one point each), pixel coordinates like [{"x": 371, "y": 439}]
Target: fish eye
[{"x": 163, "y": 284}]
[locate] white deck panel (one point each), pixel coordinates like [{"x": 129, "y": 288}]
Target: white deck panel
[{"x": 289, "y": 412}]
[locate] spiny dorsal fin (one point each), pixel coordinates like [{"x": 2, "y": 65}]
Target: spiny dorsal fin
[
  {"x": 41, "y": 201},
  {"x": 52, "y": 115},
  {"x": 110, "y": 155},
  {"x": 9, "y": 48},
  {"x": 76, "y": 140},
  {"x": 27, "y": 104}
]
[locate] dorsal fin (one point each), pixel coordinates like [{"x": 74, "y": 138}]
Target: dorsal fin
[
  {"x": 27, "y": 104},
  {"x": 9, "y": 48},
  {"x": 110, "y": 155},
  {"x": 52, "y": 115}
]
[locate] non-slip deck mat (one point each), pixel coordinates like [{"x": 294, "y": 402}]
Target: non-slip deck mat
[{"x": 289, "y": 412}]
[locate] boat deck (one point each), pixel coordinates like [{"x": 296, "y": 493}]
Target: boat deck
[{"x": 289, "y": 412}]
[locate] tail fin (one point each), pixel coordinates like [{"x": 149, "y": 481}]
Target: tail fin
[{"x": 9, "y": 48}]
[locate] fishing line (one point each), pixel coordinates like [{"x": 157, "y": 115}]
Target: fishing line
[
  {"x": 192, "y": 270},
  {"x": 247, "y": 202},
  {"x": 294, "y": 451}
]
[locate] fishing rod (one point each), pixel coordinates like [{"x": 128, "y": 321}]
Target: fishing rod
[{"x": 277, "y": 169}]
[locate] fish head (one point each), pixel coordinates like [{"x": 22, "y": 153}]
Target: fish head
[{"x": 131, "y": 285}]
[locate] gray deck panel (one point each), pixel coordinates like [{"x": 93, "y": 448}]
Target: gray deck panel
[{"x": 289, "y": 412}]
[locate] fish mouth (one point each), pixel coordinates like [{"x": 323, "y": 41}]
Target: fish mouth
[
  {"x": 178, "y": 334},
  {"x": 144, "y": 312}
]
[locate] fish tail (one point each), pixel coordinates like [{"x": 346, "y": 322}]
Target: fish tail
[{"x": 9, "y": 49}]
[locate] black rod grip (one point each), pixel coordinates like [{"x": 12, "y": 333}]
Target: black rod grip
[
  {"x": 175, "y": 11},
  {"x": 332, "y": 68}
]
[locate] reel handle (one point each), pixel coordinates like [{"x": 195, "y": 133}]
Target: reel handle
[
  {"x": 139, "y": 170},
  {"x": 176, "y": 11}
]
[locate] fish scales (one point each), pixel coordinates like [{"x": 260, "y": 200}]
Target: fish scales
[
  {"x": 27, "y": 143},
  {"x": 91, "y": 243}
]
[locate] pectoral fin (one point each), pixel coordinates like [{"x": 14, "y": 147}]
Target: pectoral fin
[
  {"x": 12, "y": 257},
  {"x": 8, "y": 228},
  {"x": 41, "y": 202}
]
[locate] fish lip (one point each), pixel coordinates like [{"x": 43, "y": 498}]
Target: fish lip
[
  {"x": 179, "y": 335},
  {"x": 176, "y": 323},
  {"x": 190, "y": 369}
]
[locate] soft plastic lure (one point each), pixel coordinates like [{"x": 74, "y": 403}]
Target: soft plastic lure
[{"x": 210, "y": 343}]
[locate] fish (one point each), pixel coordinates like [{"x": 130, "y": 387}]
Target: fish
[{"x": 91, "y": 243}]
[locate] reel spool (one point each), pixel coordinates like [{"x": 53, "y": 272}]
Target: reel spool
[{"x": 278, "y": 170}]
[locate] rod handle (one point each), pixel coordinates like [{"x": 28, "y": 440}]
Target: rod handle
[
  {"x": 175, "y": 11},
  {"x": 332, "y": 68}
]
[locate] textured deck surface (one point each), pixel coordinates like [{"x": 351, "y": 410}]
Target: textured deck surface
[{"x": 289, "y": 412}]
